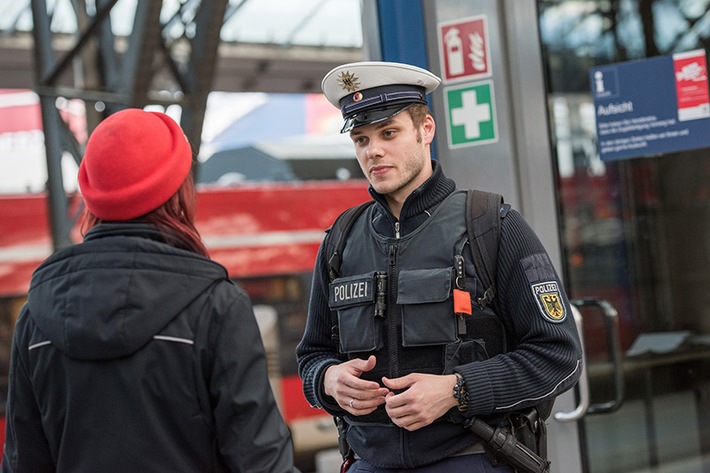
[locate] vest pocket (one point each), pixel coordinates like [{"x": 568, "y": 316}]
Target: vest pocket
[
  {"x": 427, "y": 308},
  {"x": 462, "y": 352},
  {"x": 353, "y": 298}
]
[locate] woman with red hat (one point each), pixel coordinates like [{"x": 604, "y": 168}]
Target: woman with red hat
[{"x": 135, "y": 352}]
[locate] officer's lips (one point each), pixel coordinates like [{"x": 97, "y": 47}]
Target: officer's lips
[{"x": 379, "y": 170}]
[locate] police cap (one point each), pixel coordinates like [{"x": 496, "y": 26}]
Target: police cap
[{"x": 373, "y": 91}]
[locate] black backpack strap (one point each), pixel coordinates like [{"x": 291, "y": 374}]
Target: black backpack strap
[
  {"x": 334, "y": 245},
  {"x": 484, "y": 211},
  {"x": 338, "y": 233}
]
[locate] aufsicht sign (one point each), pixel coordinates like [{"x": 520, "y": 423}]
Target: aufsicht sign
[{"x": 652, "y": 106}]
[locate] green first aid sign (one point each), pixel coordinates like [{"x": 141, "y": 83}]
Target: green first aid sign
[{"x": 471, "y": 114}]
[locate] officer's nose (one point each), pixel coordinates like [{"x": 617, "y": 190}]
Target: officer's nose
[{"x": 374, "y": 150}]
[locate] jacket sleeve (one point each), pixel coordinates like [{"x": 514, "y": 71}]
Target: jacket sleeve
[
  {"x": 547, "y": 358},
  {"x": 26, "y": 449},
  {"x": 317, "y": 349},
  {"x": 251, "y": 433}
]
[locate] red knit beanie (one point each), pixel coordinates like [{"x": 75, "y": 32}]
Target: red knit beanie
[{"x": 134, "y": 162}]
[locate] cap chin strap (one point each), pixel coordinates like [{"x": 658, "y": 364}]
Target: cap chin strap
[
  {"x": 372, "y": 116},
  {"x": 384, "y": 99}
]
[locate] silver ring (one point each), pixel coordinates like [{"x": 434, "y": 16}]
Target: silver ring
[{"x": 351, "y": 402}]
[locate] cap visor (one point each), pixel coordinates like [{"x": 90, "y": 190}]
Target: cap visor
[{"x": 368, "y": 117}]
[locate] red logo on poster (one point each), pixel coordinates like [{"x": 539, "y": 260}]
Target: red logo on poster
[
  {"x": 691, "y": 84},
  {"x": 463, "y": 48}
]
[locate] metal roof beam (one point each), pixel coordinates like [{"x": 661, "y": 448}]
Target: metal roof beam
[{"x": 108, "y": 76}]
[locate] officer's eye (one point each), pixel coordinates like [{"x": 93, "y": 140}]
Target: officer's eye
[{"x": 359, "y": 140}]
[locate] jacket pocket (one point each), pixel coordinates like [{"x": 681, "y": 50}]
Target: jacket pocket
[
  {"x": 427, "y": 308},
  {"x": 353, "y": 298}
]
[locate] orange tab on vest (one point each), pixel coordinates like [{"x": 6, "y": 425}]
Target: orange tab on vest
[{"x": 462, "y": 302}]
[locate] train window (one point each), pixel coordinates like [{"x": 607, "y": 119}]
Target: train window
[{"x": 287, "y": 296}]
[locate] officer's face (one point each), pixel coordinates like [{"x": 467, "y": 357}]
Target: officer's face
[{"x": 394, "y": 155}]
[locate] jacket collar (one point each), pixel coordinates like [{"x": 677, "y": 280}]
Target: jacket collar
[
  {"x": 420, "y": 202},
  {"x": 131, "y": 228}
]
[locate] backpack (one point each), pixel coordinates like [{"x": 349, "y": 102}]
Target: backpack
[{"x": 484, "y": 211}]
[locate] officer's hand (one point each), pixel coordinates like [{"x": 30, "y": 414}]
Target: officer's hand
[
  {"x": 357, "y": 396},
  {"x": 426, "y": 398}
]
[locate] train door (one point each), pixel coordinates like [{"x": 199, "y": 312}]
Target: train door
[{"x": 515, "y": 114}]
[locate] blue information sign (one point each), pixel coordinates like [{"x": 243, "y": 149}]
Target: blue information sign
[{"x": 652, "y": 106}]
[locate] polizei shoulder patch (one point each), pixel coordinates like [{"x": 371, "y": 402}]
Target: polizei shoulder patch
[{"x": 549, "y": 300}]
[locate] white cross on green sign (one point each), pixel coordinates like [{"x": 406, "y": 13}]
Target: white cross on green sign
[{"x": 470, "y": 111}]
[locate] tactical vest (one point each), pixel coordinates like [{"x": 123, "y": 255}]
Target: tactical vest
[{"x": 394, "y": 299}]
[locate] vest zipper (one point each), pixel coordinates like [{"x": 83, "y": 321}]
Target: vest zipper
[
  {"x": 396, "y": 229},
  {"x": 392, "y": 315}
]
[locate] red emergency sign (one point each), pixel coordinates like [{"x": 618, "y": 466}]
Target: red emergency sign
[{"x": 464, "y": 50}]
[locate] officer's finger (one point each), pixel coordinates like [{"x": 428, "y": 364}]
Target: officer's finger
[
  {"x": 395, "y": 403},
  {"x": 399, "y": 383},
  {"x": 363, "y": 365},
  {"x": 358, "y": 384},
  {"x": 363, "y": 406}
]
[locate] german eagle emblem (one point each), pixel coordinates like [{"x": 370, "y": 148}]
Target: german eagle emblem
[{"x": 549, "y": 300}]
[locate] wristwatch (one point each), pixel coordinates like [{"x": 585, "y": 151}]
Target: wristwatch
[{"x": 461, "y": 393}]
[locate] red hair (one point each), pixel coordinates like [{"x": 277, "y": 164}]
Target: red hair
[{"x": 175, "y": 220}]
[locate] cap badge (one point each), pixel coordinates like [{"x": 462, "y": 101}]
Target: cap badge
[
  {"x": 357, "y": 96},
  {"x": 348, "y": 81}
]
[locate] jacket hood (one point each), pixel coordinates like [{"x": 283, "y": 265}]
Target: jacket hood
[{"x": 108, "y": 296}]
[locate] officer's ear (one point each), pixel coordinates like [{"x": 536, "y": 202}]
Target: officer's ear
[{"x": 428, "y": 129}]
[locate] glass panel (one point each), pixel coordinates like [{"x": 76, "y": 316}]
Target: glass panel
[
  {"x": 302, "y": 141},
  {"x": 636, "y": 233}
]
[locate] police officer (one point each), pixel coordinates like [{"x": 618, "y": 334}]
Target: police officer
[{"x": 407, "y": 379}]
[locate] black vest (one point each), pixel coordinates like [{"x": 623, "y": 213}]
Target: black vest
[{"x": 394, "y": 299}]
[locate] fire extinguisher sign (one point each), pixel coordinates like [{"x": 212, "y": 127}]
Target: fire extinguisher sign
[{"x": 463, "y": 48}]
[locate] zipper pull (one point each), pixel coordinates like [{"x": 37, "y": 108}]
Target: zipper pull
[{"x": 396, "y": 229}]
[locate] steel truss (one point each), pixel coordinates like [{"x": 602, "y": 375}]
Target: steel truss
[{"x": 169, "y": 62}]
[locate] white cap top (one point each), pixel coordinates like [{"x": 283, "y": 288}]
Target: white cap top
[
  {"x": 371, "y": 91},
  {"x": 358, "y": 76}
]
